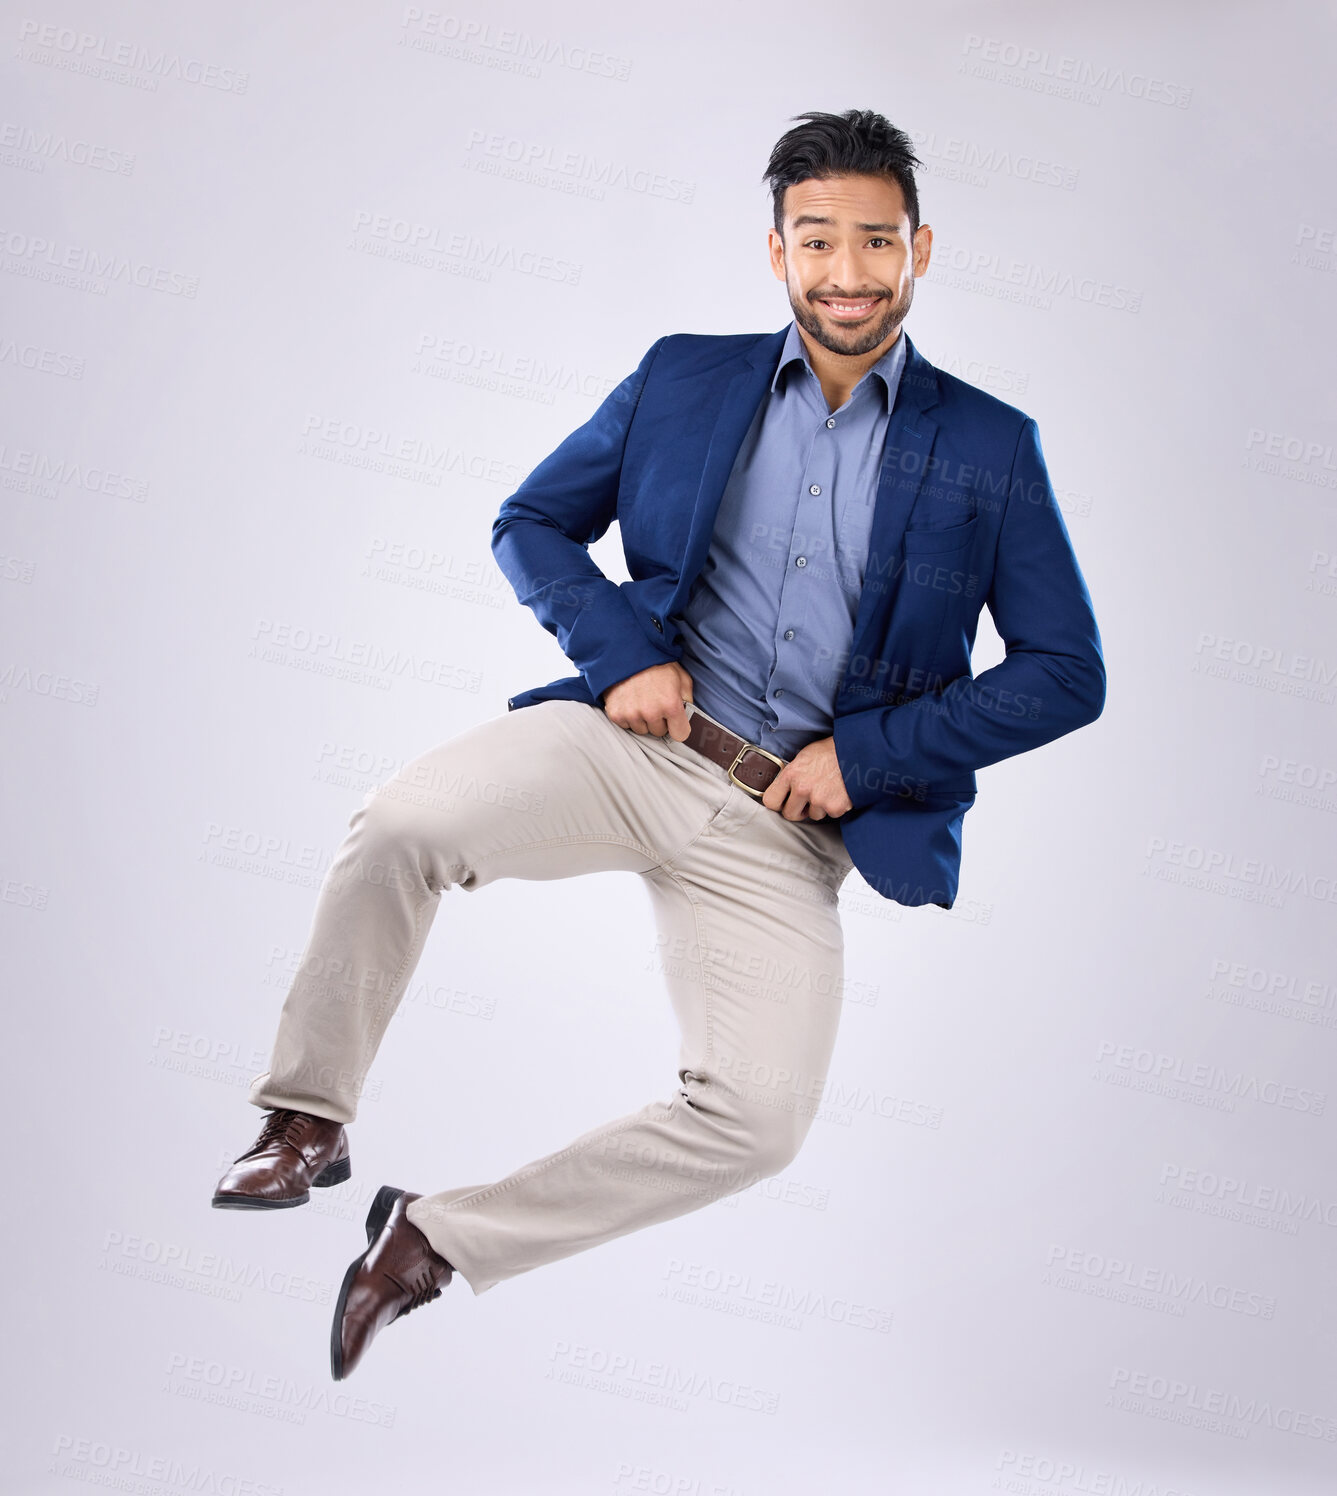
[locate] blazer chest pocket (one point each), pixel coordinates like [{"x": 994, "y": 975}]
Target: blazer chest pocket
[
  {"x": 950, "y": 539},
  {"x": 939, "y": 589}
]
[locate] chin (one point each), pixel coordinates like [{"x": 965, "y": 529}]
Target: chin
[{"x": 860, "y": 332}]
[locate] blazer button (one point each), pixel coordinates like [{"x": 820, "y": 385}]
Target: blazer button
[{"x": 657, "y": 624}]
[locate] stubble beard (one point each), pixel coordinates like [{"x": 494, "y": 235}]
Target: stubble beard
[{"x": 858, "y": 340}]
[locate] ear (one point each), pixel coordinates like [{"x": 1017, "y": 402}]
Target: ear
[
  {"x": 923, "y": 248},
  {"x": 775, "y": 247}
]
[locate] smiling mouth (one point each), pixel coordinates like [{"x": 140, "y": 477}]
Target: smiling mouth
[{"x": 846, "y": 309}]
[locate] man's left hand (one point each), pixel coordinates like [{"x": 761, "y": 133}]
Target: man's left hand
[{"x": 810, "y": 786}]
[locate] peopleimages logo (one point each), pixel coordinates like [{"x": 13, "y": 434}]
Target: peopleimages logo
[
  {"x": 1219, "y": 870},
  {"x": 971, "y": 158},
  {"x": 1208, "y": 1079},
  {"x": 74, "y": 50},
  {"x": 122, "y": 1467},
  {"x": 1015, "y": 1466},
  {"x": 268, "y": 1395},
  {"x": 599, "y": 172},
  {"x": 993, "y": 274},
  {"x": 602, "y": 1370},
  {"x": 1284, "y": 455},
  {"x": 474, "y": 40},
  {"x": 1298, "y": 775},
  {"x": 1185, "y": 1397},
  {"x": 1241, "y": 1197},
  {"x": 1113, "y": 1276},
  {"x": 1041, "y": 71},
  {"x": 87, "y": 268},
  {"x": 1275, "y": 986},
  {"x": 41, "y": 146},
  {"x": 361, "y": 660},
  {"x": 458, "y": 252},
  {"x": 771, "y": 1300},
  {"x": 46, "y": 469}
]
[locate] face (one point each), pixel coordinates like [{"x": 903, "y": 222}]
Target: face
[{"x": 848, "y": 261}]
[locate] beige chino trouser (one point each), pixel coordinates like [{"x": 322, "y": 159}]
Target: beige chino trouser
[{"x": 749, "y": 932}]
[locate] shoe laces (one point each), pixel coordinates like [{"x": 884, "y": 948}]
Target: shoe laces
[
  {"x": 280, "y": 1126},
  {"x": 422, "y": 1290}
]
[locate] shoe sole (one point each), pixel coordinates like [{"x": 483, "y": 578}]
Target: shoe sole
[
  {"x": 377, "y": 1216},
  {"x": 337, "y": 1172}
]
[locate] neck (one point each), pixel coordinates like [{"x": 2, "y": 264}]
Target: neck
[{"x": 838, "y": 373}]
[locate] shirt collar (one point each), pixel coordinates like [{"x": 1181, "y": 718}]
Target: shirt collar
[{"x": 887, "y": 368}]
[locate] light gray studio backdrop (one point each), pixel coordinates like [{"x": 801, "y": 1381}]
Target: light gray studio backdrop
[{"x": 294, "y": 296}]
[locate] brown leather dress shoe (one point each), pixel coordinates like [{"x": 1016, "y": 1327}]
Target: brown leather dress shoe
[
  {"x": 398, "y": 1272},
  {"x": 294, "y": 1151}
]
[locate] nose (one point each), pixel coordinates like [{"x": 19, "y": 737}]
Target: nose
[{"x": 846, "y": 274}]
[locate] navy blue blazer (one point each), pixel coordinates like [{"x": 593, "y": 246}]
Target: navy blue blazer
[{"x": 964, "y": 517}]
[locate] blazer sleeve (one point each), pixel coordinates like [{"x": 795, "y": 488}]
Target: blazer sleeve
[
  {"x": 1051, "y": 681},
  {"x": 541, "y": 540}
]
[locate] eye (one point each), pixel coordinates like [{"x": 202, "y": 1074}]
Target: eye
[
  {"x": 808, "y": 244},
  {"x": 879, "y": 241}
]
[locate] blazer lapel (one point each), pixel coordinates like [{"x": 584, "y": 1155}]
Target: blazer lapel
[
  {"x": 905, "y": 457},
  {"x": 738, "y": 405}
]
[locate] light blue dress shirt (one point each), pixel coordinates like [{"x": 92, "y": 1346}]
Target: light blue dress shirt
[{"x": 771, "y": 615}]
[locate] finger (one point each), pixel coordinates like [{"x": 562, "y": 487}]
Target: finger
[{"x": 678, "y": 724}]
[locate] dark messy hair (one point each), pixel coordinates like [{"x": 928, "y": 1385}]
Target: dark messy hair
[{"x": 859, "y": 141}]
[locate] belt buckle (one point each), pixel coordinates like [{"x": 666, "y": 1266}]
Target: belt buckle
[{"x": 765, "y": 753}]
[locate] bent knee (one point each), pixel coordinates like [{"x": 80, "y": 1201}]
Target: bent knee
[
  {"x": 770, "y": 1140},
  {"x": 389, "y": 840},
  {"x": 392, "y": 815}
]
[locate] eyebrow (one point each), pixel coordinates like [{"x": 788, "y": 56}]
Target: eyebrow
[{"x": 867, "y": 228}]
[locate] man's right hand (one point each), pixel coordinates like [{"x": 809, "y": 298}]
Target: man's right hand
[{"x": 651, "y": 701}]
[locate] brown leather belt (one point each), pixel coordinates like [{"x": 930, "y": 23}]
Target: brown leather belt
[{"x": 750, "y": 768}]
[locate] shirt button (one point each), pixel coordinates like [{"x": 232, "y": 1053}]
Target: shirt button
[
  {"x": 816, "y": 488},
  {"x": 789, "y": 633},
  {"x": 801, "y": 561},
  {"x": 781, "y": 691},
  {"x": 830, "y": 423}
]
